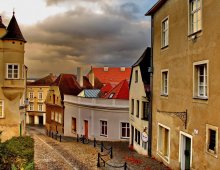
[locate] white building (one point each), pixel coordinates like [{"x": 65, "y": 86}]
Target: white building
[{"x": 103, "y": 119}]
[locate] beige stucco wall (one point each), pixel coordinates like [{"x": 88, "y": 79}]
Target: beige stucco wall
[
  {"x": 178, "y": 58},
  {"x": 137, "y": 92},
  {"x": 11, "y": 91}
]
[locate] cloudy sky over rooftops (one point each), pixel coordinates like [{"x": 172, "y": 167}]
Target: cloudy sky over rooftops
[{"x": 62, "y": 34}]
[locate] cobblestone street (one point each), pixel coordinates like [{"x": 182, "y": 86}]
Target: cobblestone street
[{"x": 50, "y": 154}]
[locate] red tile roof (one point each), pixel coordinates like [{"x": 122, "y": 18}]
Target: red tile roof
[
  {"x": 112, "y": 76},
  {"x": 68, "y": 84},
  {"x": 120, "y": 91},
  {"x": 105, "y": 89},
  {"x": 45, "y": 81}
]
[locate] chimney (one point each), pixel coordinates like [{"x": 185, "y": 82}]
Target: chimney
[
  {"x": 79, "y": 76},
  {"x": 105, "y": 68},
  {"x": 122, "y": 68},
  {"x": 92, "y": 78}
]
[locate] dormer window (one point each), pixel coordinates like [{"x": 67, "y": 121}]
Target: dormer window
[
  {"x": 12, "y": 71},
  {"x": 111, "y": 95}
]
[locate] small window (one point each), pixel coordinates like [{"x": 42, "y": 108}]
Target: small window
[
  {"x": 111, "y": 95},
  {"x": 125, "y": 130},
  {"x": 12, "y": 71},
  {"x": 73, "y": 124},
  {"x": 31, "y": 95},
  {"x": 200, "y": 81},
  {"x": 195, "y": 16},
  {"x": 103, "y": 127},
  {"x": 137, "y": 136},
  {"x": 2, "y": 109},
  {"x": 145, "y": 110},
  {"x": 52, "y": 115},
  {"x": 132, "y": 106},
  {"x": 165, "y": 33},
  {"x": 164, "y": 85},
  {"x": 31, "y": 106},
  {"x": 137, "y": 108},
  {"x": 40, "y": 95},
  {"x": 163, "y": 143},
  {"x": 40, "y": 107},
  {"x": 136, "y": 76},
  {"x": 212, "y": 139}
]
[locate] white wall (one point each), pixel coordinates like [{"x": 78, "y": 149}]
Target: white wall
[{"x": 114, "y": 111}]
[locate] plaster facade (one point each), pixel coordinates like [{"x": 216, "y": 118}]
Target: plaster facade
[{"x": 185, "y": 144}]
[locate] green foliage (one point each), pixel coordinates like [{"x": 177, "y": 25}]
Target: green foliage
[{"x": 17, "y": 153}]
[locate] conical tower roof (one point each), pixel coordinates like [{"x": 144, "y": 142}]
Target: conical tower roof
[
  {"x": 1, "y": 24},
  {"x": 13, "y": 31}
]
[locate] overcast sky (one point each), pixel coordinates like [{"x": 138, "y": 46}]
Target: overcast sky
[{"x": 64, "y": 34}]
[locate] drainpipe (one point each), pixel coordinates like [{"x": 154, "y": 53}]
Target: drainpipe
[{"x": 151, "y": 94}]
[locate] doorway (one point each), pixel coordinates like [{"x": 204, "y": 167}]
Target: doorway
[
  {"x": 185, "y": 151},
  {"x": 41, "y": 120},
  {"x": 86, "y": 128}
]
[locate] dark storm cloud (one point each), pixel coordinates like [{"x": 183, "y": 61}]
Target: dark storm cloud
[{"x": 80, "y": 36}]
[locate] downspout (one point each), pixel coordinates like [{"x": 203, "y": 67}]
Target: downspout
[{"x": 151, "y": 93}]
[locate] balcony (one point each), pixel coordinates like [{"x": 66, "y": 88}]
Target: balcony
[{"x": 13, "y": 88}]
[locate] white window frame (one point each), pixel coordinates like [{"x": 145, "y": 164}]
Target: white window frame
[
  {"x": 164, "y": 87},
  {"x": 127, "y": 126},
  {"x": 165, "y": 158},
  {"x": 105, "y": 125},
  {"x": 196, "y": 80},
  {"x": 2, "y": 106},
  {"x": 192, "y": 13},
  {"x": 40, "y": 107},
  {"x": 40, "y": 94},
  {"x": 211, "y": 152},
  {"x": 165, "y": 32},
  {"x": 31, "y": 106},
  {"x": 13, "y": 74},
  {"x": 31, "y": 95}
]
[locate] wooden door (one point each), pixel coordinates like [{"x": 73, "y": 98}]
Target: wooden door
[{"x": 86, "y": 128}]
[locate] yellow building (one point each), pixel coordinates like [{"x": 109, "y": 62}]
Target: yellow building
[
  {"x": 36, "y": 95},
  {"x": 12, "y": 80},
  {"x": 186, "y": 81},
  {"x": 139, "y": 103}
]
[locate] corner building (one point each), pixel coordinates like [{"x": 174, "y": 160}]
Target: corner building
[
  {"x": 12, "y": 80},
  {"x": 186, "y": 81}
]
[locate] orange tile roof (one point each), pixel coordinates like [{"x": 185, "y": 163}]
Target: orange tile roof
[
  {"x": 113, "y": 75},
  {"x": 105, "y": 89},
  {"x": 120, "y": 91}
]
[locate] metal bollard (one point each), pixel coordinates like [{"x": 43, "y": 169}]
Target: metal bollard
[
  {"x": 52, "y": 134},
  {"x": 125, "y": 166},
  {"x": 60, "y": 137},
  {"x": 94, "y": 143},
  {"x": 83, "y": 139},
  {"x": 101, "y": 146},
  {"x": 111, "y": 156},
  {"x": 77, "y": 138},
  {"x": 98, "y": 163}
]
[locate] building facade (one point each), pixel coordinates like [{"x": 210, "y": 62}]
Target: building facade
[
  {"x": 12, "y": 80},
  {"x": 36, "y": 95},
  {"x": 186, "y": 83},
  {"x": 139, "y": 103},
  {"x": 103, "y": 119}
]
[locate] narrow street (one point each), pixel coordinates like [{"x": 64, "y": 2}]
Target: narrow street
[{"x": 50, "y": 154}]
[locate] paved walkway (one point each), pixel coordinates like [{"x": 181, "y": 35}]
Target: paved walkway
[{"x": 69, "y": 154}]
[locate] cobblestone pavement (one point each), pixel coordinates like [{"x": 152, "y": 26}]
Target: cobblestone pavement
[{"x": 69, "y": 154}]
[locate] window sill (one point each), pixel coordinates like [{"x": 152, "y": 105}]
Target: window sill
[
  {"x": 164, "y": 47},
  {"x": 164, "y": 95},
  {"x": 210, "y": 152},
  {"x": 125, "y": 137},
  {"x": 104, "y": 136},
  {"x": 194, "y": 33},
  {"x": 165, "y": 158},
  {"x": 200, "y": 98}
]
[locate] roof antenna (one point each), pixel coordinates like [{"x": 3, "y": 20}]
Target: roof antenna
[{"x": 13, "y": 11}]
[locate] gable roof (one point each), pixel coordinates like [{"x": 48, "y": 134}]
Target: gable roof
[
  {"x": 45, "y": 81},
  {"x": 105, "y": 89},
  {"x": 112, "y": 75},
  {"x": 120, "y": 91},
  {"x": 156, "y": 7},
  {"x": 144, "y": 62},
  {"x": 68, "y": 84},
  {"x": 13, "y": 31}
]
